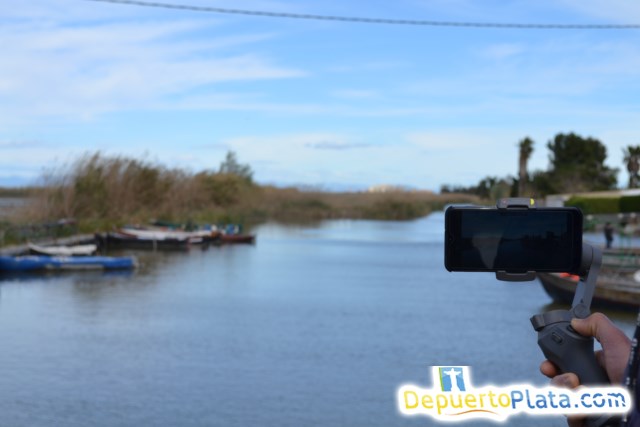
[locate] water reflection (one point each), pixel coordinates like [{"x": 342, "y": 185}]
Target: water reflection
[{"x": 312, "y": 325}]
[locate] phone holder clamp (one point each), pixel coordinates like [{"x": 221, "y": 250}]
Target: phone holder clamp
[{"x": 516, "y": 203}]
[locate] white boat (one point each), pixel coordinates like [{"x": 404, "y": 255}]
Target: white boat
[
  {"x": 194, "y": 237},
  {"x": 76, "y": 250}
]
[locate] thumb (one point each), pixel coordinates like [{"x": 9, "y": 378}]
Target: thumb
[
  {"x": 599, "y": 326},
  {"x": 615, "y": 344}
]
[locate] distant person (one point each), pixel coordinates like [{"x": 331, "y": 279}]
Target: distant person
[{"x": 608, "y": 234}]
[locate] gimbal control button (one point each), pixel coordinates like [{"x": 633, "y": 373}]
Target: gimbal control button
[{"x": 556, "y": 337}]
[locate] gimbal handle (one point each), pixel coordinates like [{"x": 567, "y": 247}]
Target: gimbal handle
[{"x": 563, "y": 346}]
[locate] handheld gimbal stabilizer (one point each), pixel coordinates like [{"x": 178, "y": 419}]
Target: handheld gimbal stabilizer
[{"x": 559, "y": 342}]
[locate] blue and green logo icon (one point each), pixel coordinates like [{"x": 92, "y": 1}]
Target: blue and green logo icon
[{"x": 452, "y": 378}]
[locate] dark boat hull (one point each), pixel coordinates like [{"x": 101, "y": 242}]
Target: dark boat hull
[
  {"x": 613, "y": 292},
  {"x": 113, "y": 240},
  {"x": 237, "y": 238}
]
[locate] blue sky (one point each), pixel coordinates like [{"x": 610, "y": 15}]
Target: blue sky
[{"x": 339, "y": 105}]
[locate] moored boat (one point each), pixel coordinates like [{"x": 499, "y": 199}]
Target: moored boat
[
  {"x": 232, "y": 233},
  {"x": 621, "y": 259},
  {"x": 237, "y": 238},
  {"x": 195, "y": 237},
  {"x": 617, "y": 291},
  {"x": 27, "y": 263},
  {"x": 75, "y": 250},
  {"x": 120, "y": 239},
  {"x": 621, "y": 250}
]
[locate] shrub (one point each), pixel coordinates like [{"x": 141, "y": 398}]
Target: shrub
[
  {"x": 595, "y": 205},
  {"x": 630, "y": 204}
]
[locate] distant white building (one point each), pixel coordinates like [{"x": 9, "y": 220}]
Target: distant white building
[{"x": 387, "y": 188}]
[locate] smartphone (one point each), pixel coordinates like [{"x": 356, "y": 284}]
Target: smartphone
[{"x": 512, "y": 240}]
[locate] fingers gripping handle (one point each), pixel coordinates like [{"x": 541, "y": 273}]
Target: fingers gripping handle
[{"x": 571, "y": 352}]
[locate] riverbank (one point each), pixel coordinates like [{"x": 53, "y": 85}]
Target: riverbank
[
  {"x": 252, "y": 205},
  {"x": 293, "y": 205},
  {"x": 100, "y": 192}
]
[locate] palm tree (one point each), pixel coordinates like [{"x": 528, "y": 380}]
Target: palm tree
[
  {"x": 632, "y": 159},
  {"x": 526, "y": 148}
]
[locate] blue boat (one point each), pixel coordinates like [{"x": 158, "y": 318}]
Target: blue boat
[{"x": 64, "y": 263}]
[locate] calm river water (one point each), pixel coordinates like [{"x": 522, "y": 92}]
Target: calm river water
[{"x": 312, "y": 326}]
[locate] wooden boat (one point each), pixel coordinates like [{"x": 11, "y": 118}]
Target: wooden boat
[
  {"x": 76, "y": 250},
  {"x": 30, "y": 263},
  {"x": 195, "y": 237},
  {"x": 232, "y": 233},
  {"x": 122, "y": 240},
  {"x": 621, "y": 250},
  {"x": 237, "y": 238},
  {"x": 617, "y": 291},
  {"x": 621, "y": 259}
]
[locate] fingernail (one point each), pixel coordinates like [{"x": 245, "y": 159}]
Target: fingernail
[
  {"x": 577, "y": 322},
  {"x": 562, "y": 381},
  {"x": 565, "y": 382}
]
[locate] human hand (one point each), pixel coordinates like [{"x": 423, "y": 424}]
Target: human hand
[{"x": 613, "y": 357}]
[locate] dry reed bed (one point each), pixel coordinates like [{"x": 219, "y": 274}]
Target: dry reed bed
[{"x": 101, "y": 192}]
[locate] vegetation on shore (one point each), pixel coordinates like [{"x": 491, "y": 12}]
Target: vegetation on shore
[
  {"x": 576, "y": 165},
  {"x": 101, "y": 192},
  {"x": 17, "y": 192}
]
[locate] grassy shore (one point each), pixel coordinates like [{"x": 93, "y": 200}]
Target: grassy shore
[
  {"x": 102, "y": 192},
  {"x": 16, "y": 192},
  {"x": 293, "y": 205}
]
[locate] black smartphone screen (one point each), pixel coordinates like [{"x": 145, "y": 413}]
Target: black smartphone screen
[{"x": 513, "y": 240}]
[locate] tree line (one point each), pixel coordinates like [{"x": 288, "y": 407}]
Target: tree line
[{"x": 576, "y": 164}]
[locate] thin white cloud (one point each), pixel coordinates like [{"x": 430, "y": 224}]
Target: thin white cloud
[
  {"x": 367, "y": 66},
  {"x": 274, "y": 154},
  {"x": 545, "y": 71},
  {"x": 429, "y": 159},
  {"x": 502, "y": 51},
  {"x": 443, "y": 140},
  {"x": 517, "y": 11},
  {"x": 81, "y": 70},
  {"x": 19, "y": 145},
  {"x": 339, "y": 145}
]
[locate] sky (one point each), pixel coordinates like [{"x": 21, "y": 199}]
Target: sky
[{"x": 335, "y": 105}]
